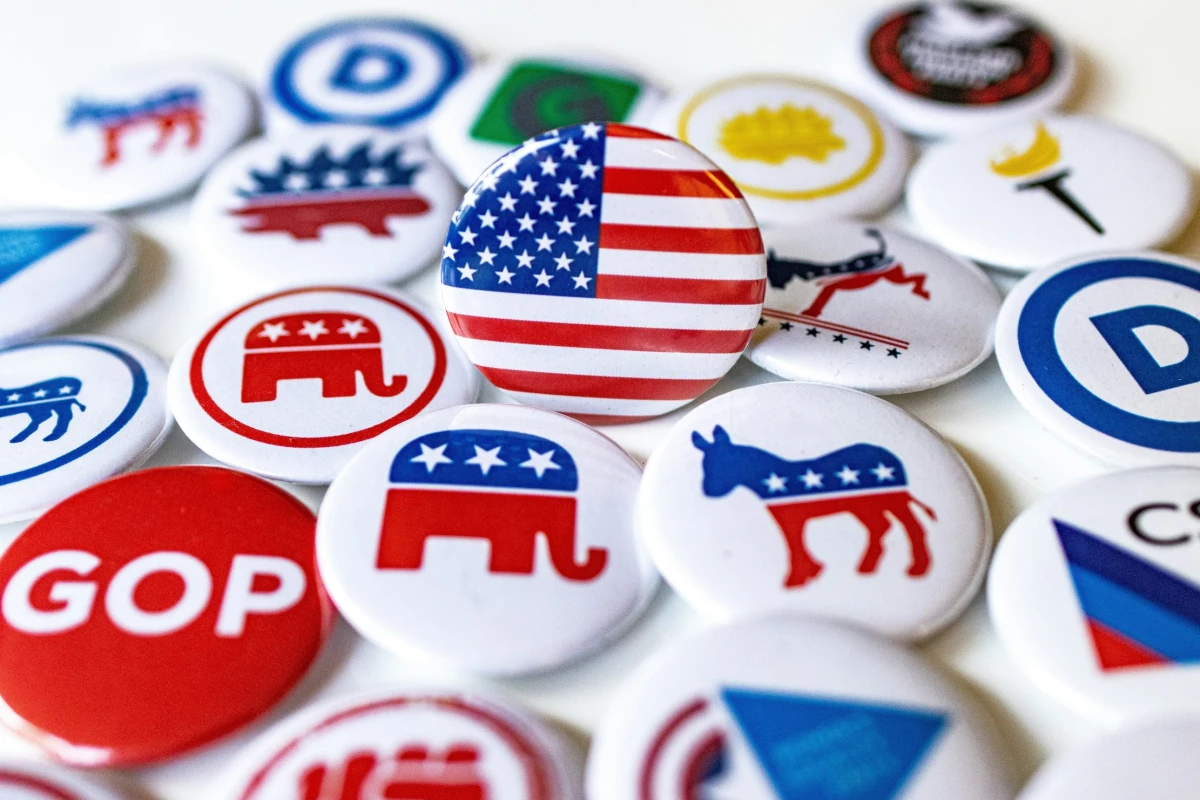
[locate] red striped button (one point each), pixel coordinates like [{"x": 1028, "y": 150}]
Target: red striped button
[{"x": 605, "y": 272}]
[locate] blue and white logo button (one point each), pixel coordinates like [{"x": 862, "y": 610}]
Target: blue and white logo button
[
  {"x": 1105, "y": 351},
  {"x": 74, "y": 411},
  {"x": 383, "y": 72}
]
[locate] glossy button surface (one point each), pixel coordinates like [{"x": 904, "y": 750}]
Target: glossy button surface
[
  {"x": 812, "y": 499},
  {"x": 74, "y": 411},
  {"x": 326, "y": 204},
  {"x": 186, "y": 606},
  {"x": 292, "y": 385},
  {"x": 495, "y": 538},
  {"x": 865, "y": 306},
  {"x": 603, "y": 271},
  {"x": 29, "y": 780},
  {"x": 798, "y": 149}
]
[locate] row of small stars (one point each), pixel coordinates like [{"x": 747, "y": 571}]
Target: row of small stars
[
  {"x": 431, "y": 457},
  {"x": 313, "y": 330},
  {"x": 334, "y": 179},
  {"x": 863, "y": 344},
  {"x": 815, "y": 480},
  {"x": 37, "y": 395}
]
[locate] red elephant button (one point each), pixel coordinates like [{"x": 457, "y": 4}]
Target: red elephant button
[
  {"x": 29, "y": 780},
  {"x": 439, "y": 746},
  {"x": 292, "y": 385},
  {"x": 496, "y": 538},
  {"x": 185, "y": 608},
  {"x": 814, "y": 499}
]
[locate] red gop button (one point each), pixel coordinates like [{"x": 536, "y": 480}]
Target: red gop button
[{"x": 156, "y": 612}]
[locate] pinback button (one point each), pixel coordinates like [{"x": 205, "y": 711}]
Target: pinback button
[
  {"x": 74, "y": 411},
  {"x": 1094, "y": 591},
  {"x": 867, "y": 307},
  {"x": 139, "y": 136},
  {"x": 786, "y": 709},
  {"x": 156, "y": 612},
  {"x": 331, "y": 203},
  {"x": 429, "y": 540},
  {"x": 383, "y": 72},
  {"x": 408, "y": 744},
  {"x": 799, "y": 150},
  {"x": 1105, "y": 352},
  {"x": 502, "y": 103},
  {"x": 1025, "y": 195},
  {"x": 603, "y": 271},
  {"x": 292, "y": 385},
  {"x": 813, "y": 499},
  {"x": 28, "y": 780},
  {"x": 57, "y": 266},
  {"x": 1155, "y": 760},
  {"x": 950, "y": 68}
]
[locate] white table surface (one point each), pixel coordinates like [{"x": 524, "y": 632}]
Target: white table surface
[{"x": 1139, "y": 67}]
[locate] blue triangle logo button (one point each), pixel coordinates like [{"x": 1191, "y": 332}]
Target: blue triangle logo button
[
  {"x": 814, "y": 748},
  {"x": 23, "y": 247}
]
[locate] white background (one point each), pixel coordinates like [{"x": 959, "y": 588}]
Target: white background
[{"x": 1139, "y": 67}]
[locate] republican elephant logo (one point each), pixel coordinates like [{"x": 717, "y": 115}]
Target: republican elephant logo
[
  {"x": 176, "y": 108},
  {"x": 57, "y": 397},
  {"x": 415, "y": 772},
  {"x": 502, "y": 487},
  {"x": 863, "y": 480},
  {"x": 332, "y": 347}
]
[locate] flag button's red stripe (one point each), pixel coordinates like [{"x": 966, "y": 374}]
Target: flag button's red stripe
[
  {"x": 600, "y": 337},
  {"x": 601, "y": 386},
  {"x": 680, "y": 290},
  {"x": 661, "y": 239},
  {"x": 670, "y": 183}
]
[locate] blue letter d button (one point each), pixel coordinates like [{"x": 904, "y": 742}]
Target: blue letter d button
[{"x": 1118, "y": 329}]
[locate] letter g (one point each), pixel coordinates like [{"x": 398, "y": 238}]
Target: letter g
[{"x": 77, "y": 597}]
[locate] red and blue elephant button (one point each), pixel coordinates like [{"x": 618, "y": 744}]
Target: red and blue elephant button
[
  {"x": 292, "y": 385},
  {"x": 804, "y": 498},
  {"x": 496, "y": 538}
]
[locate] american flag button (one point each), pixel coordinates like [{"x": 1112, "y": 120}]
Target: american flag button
[
  {"x": 138, "y": 136},
  {"x": 793, "y": 709},
  {"x": 865, "y": 306},
  {"x": 155, "y": 612},
  {"x": 799, "y": 150},
  {"x": 331, "y": 203},
  {"x": 425, "y": 743},
  {"x": 293, "y": 384},
  {"x": 809, "y": 499},
  {"x": 33, "y": 780},
  {"x": 605, "y": 272},
  {"x": 73, "y": 411},
  {"x": 493, "y": 538},
  {"x": 57, "y": 266}
]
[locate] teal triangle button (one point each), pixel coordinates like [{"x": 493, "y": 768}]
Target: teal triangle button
[
  {"x": 22, "y": 247},
  {"x": 814, "y": 748}
]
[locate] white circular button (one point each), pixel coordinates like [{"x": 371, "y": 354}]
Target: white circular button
[
  {"x": 799, "y": 150},
  {"x": 74, "y": 411},
  {"x": 326, "y": 204},
  {"x": 1095, "y": 592},
  {"x": 812, "y": 499},
  {"x": 951, "y": 68},
  {"x": 501, "y": 103},
  {"x": 413, "y": 744},
  {"x": 785, "y": 709},
  {"x": 139, "y": 136},
  {"x": 56, "y": 266},
  {"x": 1026, "y": 195},
  {"x": 496, "y": 538},
  {"x": 1105, "y": 352},
  {"x": 29, "y": 780},
  {"x": 864, "y": 306},
  {"x": 292, "y": 385},
  {"x": 1155, "y": 760}
]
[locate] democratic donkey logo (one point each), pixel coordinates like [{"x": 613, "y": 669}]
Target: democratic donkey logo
[
  {"x": 332, "y": 347},
  {"x": 168, "y": 110},
  {"x": 505, "y": 488},
  {"x": 863, "y": 480},
  {"x": 413, "y": 771},
  {"x": 57, "y": 398},
  {"x": 828, "y": 279},
  {"x": 300, "y": 199}
]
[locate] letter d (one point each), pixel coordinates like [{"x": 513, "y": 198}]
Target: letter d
[
  {"x": 1118, "y": 329},
  {"x": 369, "y": 69}
]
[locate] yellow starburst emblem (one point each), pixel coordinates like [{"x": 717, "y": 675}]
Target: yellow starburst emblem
[{"x": 775, "y": 135}]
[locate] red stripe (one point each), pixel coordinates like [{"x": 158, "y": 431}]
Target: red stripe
[
  {"x": 670, "y": 182},
  {"x": 630, "y": 132},
  {"x": 600, "y": 337},
  {"x": 721, "y": 241},
  {"x": 680, "y": 290},
  {"x": 606, "y": 386}
]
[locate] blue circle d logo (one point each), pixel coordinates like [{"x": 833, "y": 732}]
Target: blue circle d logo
[{"x": 1035, "y": 340}]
